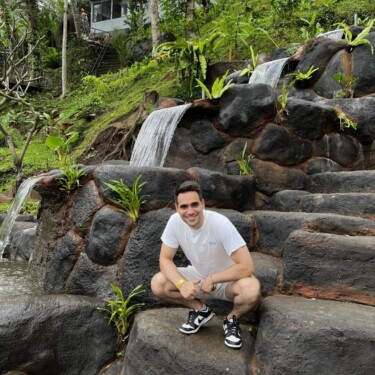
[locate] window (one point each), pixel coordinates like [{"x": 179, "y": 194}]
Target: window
[{"x": 102, "y": 11}]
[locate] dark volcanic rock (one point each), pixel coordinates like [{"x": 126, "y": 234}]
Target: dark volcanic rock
[
  {"x": 60, "y": 335},
  {"x": 321, "y": 165},
  {"x": 300, "y": 336},
  {"x": 330, "y": 266},
  {"x": 156, "y": 347}
]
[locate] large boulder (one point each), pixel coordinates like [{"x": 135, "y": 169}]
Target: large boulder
[{"x": 55, "y": 334}]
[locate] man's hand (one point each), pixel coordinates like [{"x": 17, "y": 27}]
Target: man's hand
[
  {"x": 208, "y": 285},
  {"x": 188, "y": 289}
]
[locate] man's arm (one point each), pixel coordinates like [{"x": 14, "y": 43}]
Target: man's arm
[
  {"x": 169, "y": 270},
  {"x": 243, "y": 267}
]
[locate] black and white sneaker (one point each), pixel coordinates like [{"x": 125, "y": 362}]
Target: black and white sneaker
[
  {"x": 196, "y": 320},
  {"x": 232, "y": 333}
]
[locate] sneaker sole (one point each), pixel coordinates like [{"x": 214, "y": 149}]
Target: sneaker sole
[
  {"x": 233, "y": 346},
  {"x": 204, "y": 321}
]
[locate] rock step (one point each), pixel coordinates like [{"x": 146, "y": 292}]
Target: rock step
[
  {"x": 351, "y": 204},
  {"x": 301, "y": 336},
  {"x": 274, "y": 227},
  {"x": 343, "y": 182},
  {"x": 157, "y": 347},
  {"x": 330, "y": 266}
]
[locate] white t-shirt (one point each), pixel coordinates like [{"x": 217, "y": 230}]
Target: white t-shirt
[{"x": 207, "y": 248}]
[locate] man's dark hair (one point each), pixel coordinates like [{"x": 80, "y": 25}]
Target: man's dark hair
[{"x": 188, "y": 186}]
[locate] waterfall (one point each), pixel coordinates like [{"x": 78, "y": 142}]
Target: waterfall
[
  {"x": 155, "y": 136},
  {"x": 17, "y": 203},
  {"x": 333, "y": 34},
  {"x": 269, "y": 72}
]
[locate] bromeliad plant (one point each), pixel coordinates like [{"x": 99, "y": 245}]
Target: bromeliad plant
[
  {"x": 121, "y": 311},
  {"x": 218, "y": 87},
  {"x": 346, "y": 121},
  {"x": 299, "y": 76},
  {"x": 360, "y": 39},
  {"x": 129, "y": 199}
]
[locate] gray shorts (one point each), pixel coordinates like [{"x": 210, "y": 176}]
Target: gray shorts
[{"x": 190, "y": 273}]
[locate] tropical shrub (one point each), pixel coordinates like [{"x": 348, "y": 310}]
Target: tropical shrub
[
  {"x": 218, "y": 87},
  {"x": 120, "y": 311},
  {"x": 128, "y": 199}
]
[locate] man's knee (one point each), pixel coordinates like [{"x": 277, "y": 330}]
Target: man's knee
[
  {"x": 157, "y": 284},
  {"x": 248, "y": 288}
]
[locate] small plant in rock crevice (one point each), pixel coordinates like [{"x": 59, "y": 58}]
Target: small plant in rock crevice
[
  {"x": 243, "y": 161},
  {"x": 346, "y": 121},
  {"x": 120, "y": 311},
  {"x": 250, "y": 67},
  {"x": 299, "y": 76},
  {"x": 282, "y": 100},
  {"x": 128, "y": 199},
  {"x": 346, "y": 83}
]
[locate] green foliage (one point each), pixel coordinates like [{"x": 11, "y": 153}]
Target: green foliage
[
  {"x": 285, "y": 5},
  {"x": 120, "y": 42},
  {"x": 346, "y": 121},
  {"x": 52, "y": 58},
  {"x": 312, "y": 29},
  {"x": 299, "y": 76},
  {"x": 129, "y": 199},
  {"x": 61, "y": 145},
  {"x": 282, "y": 100},
  {"x": 233, "y": 25},
  {"x": 190, "y": 57},
  {"x": 243, "y": 161},
  {"x": 346, "y": 83},
  {"x": 218, "y": 87},
  {"x": 254, "y": 62},
  {"x": 72, "y": 175},
  {"x": 120, "y": 311},
  {"x": 360, "y": 39}
]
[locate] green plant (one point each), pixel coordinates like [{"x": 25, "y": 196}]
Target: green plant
[
  {"x": 129, "y": 199},
  {"x": 243, "y": 161},
  {"x": 299, "y": 76},
  {"x": 61, "y": 146},
  {"x": 360, "y": 39},
  {"x": 72, "y": 174},
  {"x": 346, "y": 121},
  {"x": 120, "y": 42},
  {"x": 282, "y": 100},
  {"x": 250, "y": 67},
  {"x": 218, "y": 87},
  {"x": 313, "y": 28},
  {"x": 346, "y": 83},
  {"x": 120, "y": 311},
  {"x": 190, "y": 57}
]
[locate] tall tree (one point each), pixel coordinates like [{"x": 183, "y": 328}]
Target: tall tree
[
  {"x": 15, "y": 80},
  {"x": 76, "y": 18},
  {"x": 64, "y": 69},
  {"x": 155, "y": 30}
]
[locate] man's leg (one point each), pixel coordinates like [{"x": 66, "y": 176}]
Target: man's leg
[
  {"x": 245, "y": 294},
  {"x": 199, "y": 314}
]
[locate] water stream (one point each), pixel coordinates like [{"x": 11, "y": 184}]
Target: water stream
[
  {"x": 15, "y": 208},
  {"x": 155, "y": 136},
  {"x": 333, "y": 34},
  {"x": 269, "y": 72}
]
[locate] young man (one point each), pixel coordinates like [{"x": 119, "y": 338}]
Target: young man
[{"x": 221, "y": 265}]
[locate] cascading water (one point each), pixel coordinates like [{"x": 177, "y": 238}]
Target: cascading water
[
  {"x": 155, "y": 136},
  {"x": 17, "y": 203},
  {"x": 269, "y": 72},
  {"x": 333, "y": 34}
]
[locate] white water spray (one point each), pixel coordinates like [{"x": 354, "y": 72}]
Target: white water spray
[
  {"x": 269, "y": 72},
  {"x": 16, "y": 206},
  {"x": 155, "y": 136}
]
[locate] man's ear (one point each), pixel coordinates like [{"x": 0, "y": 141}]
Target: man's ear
[{"x": 203, "y": 203}]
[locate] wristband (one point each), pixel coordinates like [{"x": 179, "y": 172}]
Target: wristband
[{"x": 179, "y": 283}]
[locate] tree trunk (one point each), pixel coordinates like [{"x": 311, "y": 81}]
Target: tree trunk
[
  {"x": 155, "y": 30},
  {"x": 189, "y": 18},
  {"x": 76, "y": 18},
  {"x": 64, "y": 47}
]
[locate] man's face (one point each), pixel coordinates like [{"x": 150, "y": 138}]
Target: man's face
[{"x": 190, "y": 208}]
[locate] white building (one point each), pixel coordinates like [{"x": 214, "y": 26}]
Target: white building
[{"x": 107, "y": 15}]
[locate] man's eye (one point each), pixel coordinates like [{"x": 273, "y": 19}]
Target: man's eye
[
  {"x": 184, "y": 206},
  {"x": 195, "y": 204}
]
